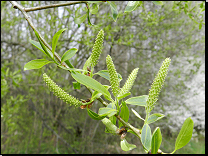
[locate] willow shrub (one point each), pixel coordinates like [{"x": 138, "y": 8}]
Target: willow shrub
[{"x": 116, "y": 108}]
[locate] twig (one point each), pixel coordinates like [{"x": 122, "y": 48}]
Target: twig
[{"x": 52, "y": 6}]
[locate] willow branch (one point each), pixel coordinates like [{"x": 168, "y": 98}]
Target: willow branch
[{"x": 52, "y": 6}]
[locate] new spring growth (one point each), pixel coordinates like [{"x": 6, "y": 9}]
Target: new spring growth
[
  {"x": 129, "y": 82},
  {"x": 113, "y": 76},
  {"x": 157, "y": 84},
  {"x": 97, "y": 48},
  {"x": 60, "y": 93}
]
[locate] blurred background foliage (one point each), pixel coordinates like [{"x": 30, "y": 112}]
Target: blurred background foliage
[{"x": 33, "y": 120}]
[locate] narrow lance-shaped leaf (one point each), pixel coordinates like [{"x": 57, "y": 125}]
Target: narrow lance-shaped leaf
[
  {"x": 125, "y": 146},
  {"x": 138, "y": 100},
  {"x": 154, "y": 117},
  {"x": 105, "y": 74},
  {"x": 111, "y": 127},
  {"x": 88, "y": 17},
  {"x": 91, "y": 83},
  {"x": 37, "y": 45},
  {"x": 113, "y": 10},
  {"x": 81, "y": 19},
  {"x": 146, "y": 137},
  {"x": 185, "y": 134},
  {"x": 131, "y": 6},
  {"x": 69, "y": 54},
  {"x": 124, "y": 114},
  {"x": 107, "y": 111},
  {"x": 47, "y": 51},
  {"x": 137, "y": 114},
  {"x": 94, "y": 115},
  {"x": 36, "y": 64},
  {"x": 55, "y": 39},
  {"x": 156, "y": 140}
]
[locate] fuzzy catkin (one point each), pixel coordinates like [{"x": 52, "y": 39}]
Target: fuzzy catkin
[
  {"x": 113, "y": 76},
  {"x": 60, "y": 93},
  {"x": 157, "y": 84},
  {"x": 97, "y": 48},
  {"x": 129, "y": 82}
]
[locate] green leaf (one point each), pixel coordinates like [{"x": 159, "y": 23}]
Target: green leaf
[
  {"x": 156, "y": 140},
  {"x": 124, "y": 95},
  {"x": 37, "y": 45},
  {"x": 185, "y": 134},
  {"x": 112, "y": 106},
  {"x": 36, "y": 64},
  {"x": 55, "y": 39},
  {"x": 71, "y": 69},
  {"x": 88, "y": 17},
  {"x": 91, "y": 83},
  {"x": 113, "y": 10},
  {"x": 146, "y": 137},
  {"x": 131, "y": 6},
  {"x": 138, "y": 100},
  {"x": 69, "y": 64},
  {"x": 135, "y": 113},
  {"x": 154, "y": 117},
  {"x": 76, "y": 85},
  {"x": 94, "y": 9},
  {"x": 109, "y": 125},
  {"x": 105, "y": 74},
  {"x": 94, "y": 115},
  {"x": 47, "y": 51},
  {"x": 69, "y": 54},
  {"x": 124, "y": 114},
  {"x": 113, "y": 119},
  {"x": 107, "y": 111},
  {"x": 158, "y": 2},
  {"x": 95, "y": 95},
  {"x": 125, "y": 146},
  {"x": 81, "y": 19}
]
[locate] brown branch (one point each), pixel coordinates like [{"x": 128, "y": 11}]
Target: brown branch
[{"x": 52, "y": 6}]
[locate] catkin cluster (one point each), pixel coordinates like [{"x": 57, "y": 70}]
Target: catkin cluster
[
  {"x": 129, "y": 82},
  {"x": 157, "y": 84},
  {"x": 97, "y": 48},
  {"x": 53, "y": 87},
  {"x": 113, "y": 76}
]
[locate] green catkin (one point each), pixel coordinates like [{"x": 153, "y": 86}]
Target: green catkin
[
  {"x": 113, "y": 76},
  {"x": 129, "y": 82},
  {"x": 157, "y": 84},
  {"x": 97, "y": 48},
  {"x": 60, "y": 93}
]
